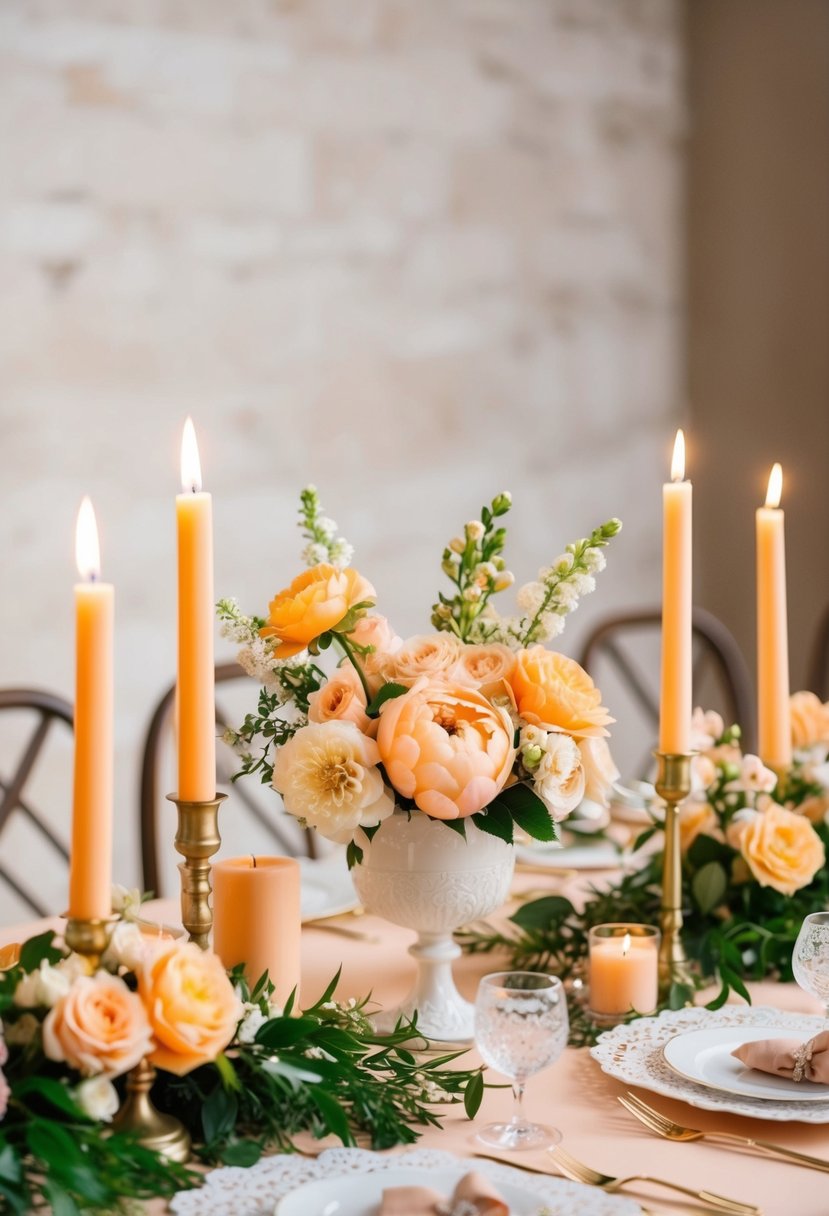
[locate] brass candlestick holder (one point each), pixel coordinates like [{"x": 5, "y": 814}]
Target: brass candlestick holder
[
  {"x": 673, "y": 785},
  {"x": 197, "y": 839},
  {"x": 89, "y": 937},
  {"x": 162, "y": 1134}
]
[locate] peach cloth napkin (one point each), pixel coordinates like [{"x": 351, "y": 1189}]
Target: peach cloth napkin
[
  {"x": 782, "y": 1057},
  {"x": 474, "y": 1191}
]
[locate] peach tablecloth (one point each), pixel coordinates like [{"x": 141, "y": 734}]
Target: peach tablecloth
[{"x": 574, "y": 1094}]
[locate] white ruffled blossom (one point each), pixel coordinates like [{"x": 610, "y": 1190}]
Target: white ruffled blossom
[
  {"x": 328, "y": 777},
  {"x": 98, "y": 1098},
  {"x": 530, "y": 597},
  {"x": 254, "y": 1017},
  {"x": 127, "y": 947},
  {"x": 126, "y": 901},
  {"x": 314, "y": 553},
  {"x": 341, "y": 553},
  {"x": 43, "y": 988},
  {"x": 595, "y": 560},
  {"x": 559, "y": 778}
]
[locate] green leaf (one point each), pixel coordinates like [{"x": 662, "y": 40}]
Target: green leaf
[
  {"x": 10, "y": 1169},
  {"x": 53, "y": 1092},
  {"x": 709, "y": 885},
  {"x": 643, "y": 837},
  {"x": 334, "y": 1116},
  {"x": 353, "y": 854},
  {"x": 243, "y": 1153},
  {"x": 37, "y": 949},
  {"x": 331, "y": 988},
  {"x": 543, "y": 913},
  {"x": 228, "y": 1074},
  {"x": 218, "y": 1114},
  {"x": 279, "y": 1033},
  {"x": 719, "y": 1000},
  {"x": 496, "y": 820},
  {"x": 680, "y": 995},
  {"x": 473, "y": 1094},
  {"x": 61, "y": 1203},
  {"x": 733, "y": 980},
  {"x": 705, "y": 849},
  {"x": 387, "y": 692},
  {"x": 457, "y": 825},
  {"x": 528, "y": 811}
]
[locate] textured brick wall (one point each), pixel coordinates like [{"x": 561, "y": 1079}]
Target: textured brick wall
[{"x": 413, "y": 250}]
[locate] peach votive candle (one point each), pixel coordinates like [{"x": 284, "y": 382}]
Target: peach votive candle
[{"x": 623, "y": 969}]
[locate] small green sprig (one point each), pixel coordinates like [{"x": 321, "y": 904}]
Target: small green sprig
[{"x": 473, "y": 562}]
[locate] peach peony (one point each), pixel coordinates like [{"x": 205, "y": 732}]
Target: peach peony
[
  {"x": 555, "y": 692},
  {"x": 810, "y": 720},
  {"x": 99, "y": 1026},
  {"x": 434, "y": 656},
  {"x": 446, "y": 747},
  {"x": 341, "y": 699},
  {"x": 316, "y": 601},
  {"x": 485, "y": 667},
  {"x": 191, "y": 1003},
  {"x": 782, "y": 849}
]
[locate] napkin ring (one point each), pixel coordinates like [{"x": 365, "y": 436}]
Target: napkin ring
[{"x": 802, "y": 1059}]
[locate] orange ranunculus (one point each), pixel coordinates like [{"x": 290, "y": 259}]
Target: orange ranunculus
[
  {"x": 446, "y": 747},
  {"x": 782, "y": 849},
  {"x": 99, "y": 1026},
  {"x": 192, "y": 1006},
  {"x": 810, "y": 720},
  {"x": 315, "y": 602},
  {"x": 555, "y": 692}
]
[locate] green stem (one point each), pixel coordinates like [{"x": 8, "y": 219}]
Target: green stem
[{"x": 348, "y": 650}]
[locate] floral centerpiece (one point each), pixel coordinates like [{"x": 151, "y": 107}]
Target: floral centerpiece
[
  {"x": 754, "y": 847},
  {"x": 241, "y": 1074},
  {"x": 477, "y": 722}
]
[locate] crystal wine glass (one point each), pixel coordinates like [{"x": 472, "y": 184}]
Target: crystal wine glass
[
  {"x": 521, "y": 1027},
  {"x": 810, "y": 959}
]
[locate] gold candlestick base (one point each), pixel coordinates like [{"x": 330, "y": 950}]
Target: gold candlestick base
[
  {"x": 89, "y": 937},
  {"x": 163, "y": 1134},
  {"x": 197, "y": 839},
  {"x": 673, "y": 785}
]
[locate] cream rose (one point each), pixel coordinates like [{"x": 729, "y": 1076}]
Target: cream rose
[
  {"x": 342, "y": 699},
  {"x": 552, "y": 690},
  {"x": 98, "y": 1098},
  {"x": 446, "y": 747},
  {"x": 316, "y": 601},
  {"x": 485, "y": 667},
  {"x": 434, "y": 656},
  {"x": 99, "y": 1026},
  {"x": 192, "y": 1006},
  {"x": 328, "y": 777},
  {"x": 599, "y": 769},
  {"x": 782, "y": 849},
  {"x": 810, "y": 720},
  {"x": 559, "y": 778}
]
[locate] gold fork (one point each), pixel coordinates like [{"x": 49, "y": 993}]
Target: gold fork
[
  {"x": 675, "y": 1131},
  {"x": 578, "y": 1172}
]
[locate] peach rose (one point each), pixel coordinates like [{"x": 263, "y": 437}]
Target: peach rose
[
  {"x": 696, "y": 819},
  {"x": 782, "y": 849},
  {"x": 341, "y": 699},
  {"x": 99, "y": 1026},
  {"x": 555, "y": 692},
  {"x": 192, "y": 1006},
  {"x": 434, "y": 656},
  {"x": 599, "y": 769},
  {"x": 485, "y": 667},
  {"x": 374, "y": 630},
  {"x": 446, "y": 747},
  {"x": 317, "y": 600},
  {"x": 810, "y": 720}
]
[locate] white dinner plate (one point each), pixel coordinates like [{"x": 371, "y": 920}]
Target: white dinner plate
[
  {"x": 600, "y": 855},
  {"x": 361, "y": 1195},
  {"x": 705, "y": 1056}
]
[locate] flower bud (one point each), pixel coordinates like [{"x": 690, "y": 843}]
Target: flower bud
[
  {"x": 504, "y": 580},
  {"x": 472, "y": 593},
  {"x": 457, "y": 544},
  {"x": 532, "y": 756},
  {"x": 474, "y": 530},
  {"x": 501, "y": 503}
]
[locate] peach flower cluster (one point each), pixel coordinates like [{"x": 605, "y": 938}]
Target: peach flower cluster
[{"x": 184, "y": 1014}]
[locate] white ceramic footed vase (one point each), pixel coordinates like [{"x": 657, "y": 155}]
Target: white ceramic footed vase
[{"x": 418, "y": 873}]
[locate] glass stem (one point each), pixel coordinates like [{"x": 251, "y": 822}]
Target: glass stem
[{"x": 518, "y": 1107}]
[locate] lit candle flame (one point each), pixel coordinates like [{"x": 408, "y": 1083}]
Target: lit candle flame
[
  {"x": 626, "y": 938},
  {"x": 678, "y": 459},
  {"x": 775, "y": 490},
  {"x": 87, "y": 549},
  {"x": 190, "y": 463}
]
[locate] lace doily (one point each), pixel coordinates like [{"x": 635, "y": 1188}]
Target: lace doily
[
  {"x": 633, "y": 1054},
  {"x": 253, "y": 1192}
]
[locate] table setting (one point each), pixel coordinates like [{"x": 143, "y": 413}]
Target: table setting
[{"x": 512, "y": 986}]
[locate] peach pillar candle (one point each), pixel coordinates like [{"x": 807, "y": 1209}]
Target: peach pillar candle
[
  {"x": 773, "y": 716},
  {"x": 90, "y": 866},
  {"x": 257, "y": 919},
  {"x": 196, "y": 715},
  {"x": 676, "y": 679},
  {"x": 623, "y": 969}
]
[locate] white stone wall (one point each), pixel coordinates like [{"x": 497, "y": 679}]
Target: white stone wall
[{"x": 415, "y": 251}]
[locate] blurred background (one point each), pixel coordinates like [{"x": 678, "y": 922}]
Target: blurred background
[{"x": 416, "y": 252}]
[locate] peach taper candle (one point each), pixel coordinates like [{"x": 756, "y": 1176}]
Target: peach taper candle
[
  {"x": 676, "y": 678},
  {"x": 773, "y": 715}
]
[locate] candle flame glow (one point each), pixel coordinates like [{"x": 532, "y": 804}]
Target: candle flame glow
[
  {"x": 775, "y": 490},
  {"x": 190, "y": 463},
  {"x": 678, "y": 459},
  {"x": 625, "y": 944},
  {"x": 87, "y": 549}
]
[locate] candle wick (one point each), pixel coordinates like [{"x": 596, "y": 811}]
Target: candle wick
[{"x": 253, "y": 859}]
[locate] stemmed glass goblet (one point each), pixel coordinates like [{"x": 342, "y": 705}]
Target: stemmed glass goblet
[
  {"x": 810, "y": 958},
  {"x": 521, "y": 1027}
]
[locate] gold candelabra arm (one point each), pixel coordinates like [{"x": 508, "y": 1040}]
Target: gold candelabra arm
[
  {"x": 89, "y": 937},
  {"x": 673, "y": 785},
  {"x": 197, "y": 839}
]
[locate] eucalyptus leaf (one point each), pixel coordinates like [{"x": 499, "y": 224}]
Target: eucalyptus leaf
[
  {"x": 473, "y": 1094},
  {"x": 709, "y": 885}
]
